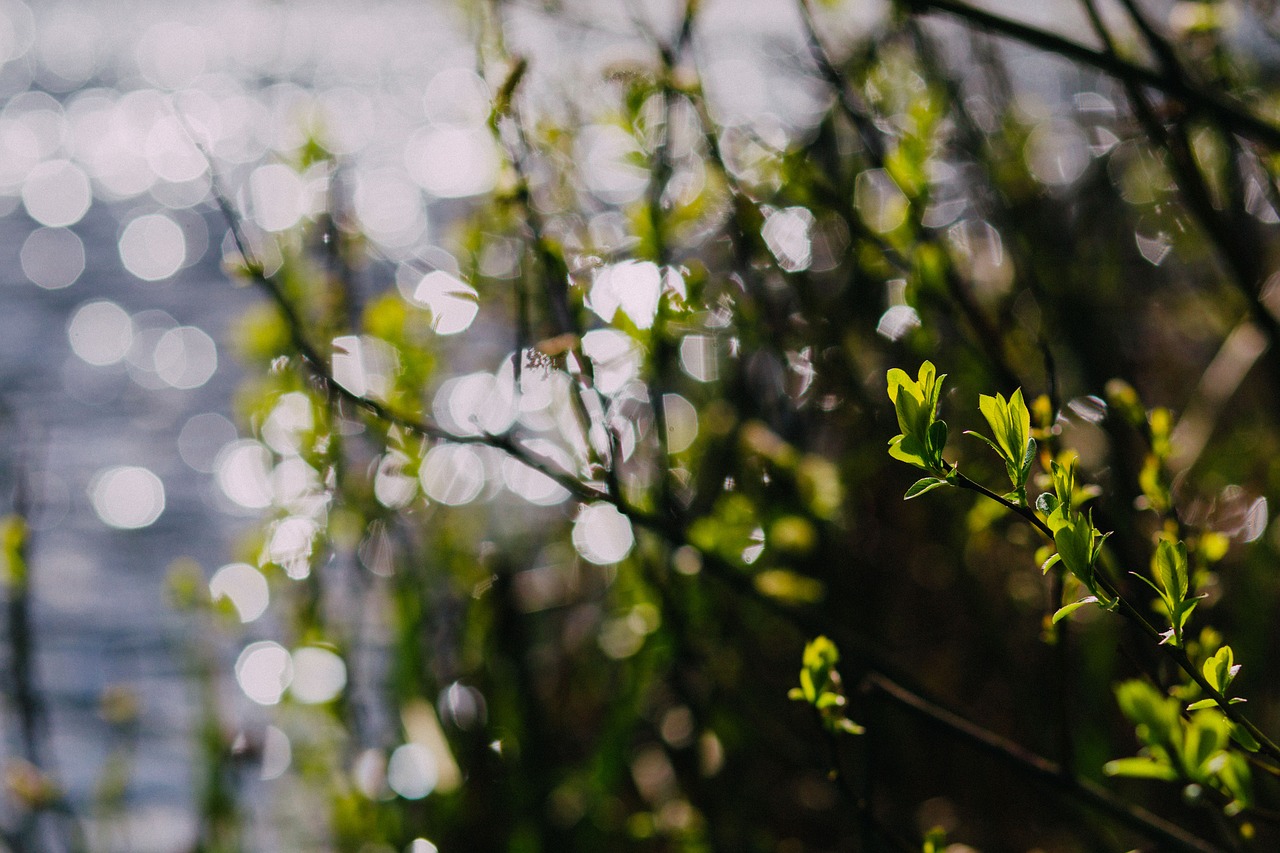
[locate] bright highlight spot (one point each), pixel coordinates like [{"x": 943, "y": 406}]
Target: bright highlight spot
[
  {"x": 533, "y": 485},
  {"x": 682, "y": 422},
  {"x": 244, "y": 586},
  {"x": 318, "y": 675},
  {"x": 186, "y": 357},
  {"x": 452, "y": 474},
  {"x": 616, "y": 357},
  {"x": 602, "y": 535},
  {"x": 57, "y": 193},
  {"x": 452, "y": 162},
  {"x": 412, "y": 771},
  {"x": 153, "y": 247},
  {"x": 53, "y": 258},
  {"x": 453, "y": 303},
  {"x": 127, "y": 497},
  {"x": 101, "y": 333},
  {"x": 243, "y": 470},
  {"x": 264, "y": 671},
  {"x": 632, "y": 286},
  {"x": 276, "y": 193},
  {"x": 277, "y": 754}
]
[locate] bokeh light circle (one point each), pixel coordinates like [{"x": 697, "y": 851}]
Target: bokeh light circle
[
  {"x": 153, "y": 247},
  {"x": 127, "y": 497},
  {"x": 57, "y": 193},
  {"x": 53, "y": 258},
  {"x": 602, "y": 535},
  {"x": 264, "y": 671}
]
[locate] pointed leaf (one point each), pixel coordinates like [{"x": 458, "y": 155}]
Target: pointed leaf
[
  {"x": 1030, "y": 455},
  {"x": 905, "y": 448},
  {"x": 1075, "y": 543},
  {"x": 937, "y": 439},
  {"x": 897, "y": 377},
  {"x": 1241, "y": 735},
  {"x": 1140, "y": 768},
  {"x": 1064, "y": 612},
  {"x": 850, "y": 727},
  {"x": 1171, "y": 568},
  {"x": 1218, "y": 669},
  {"x": 922, "y": 486}
]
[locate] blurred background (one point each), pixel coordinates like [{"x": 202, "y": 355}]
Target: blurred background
[{"x": 172, "y": 656}]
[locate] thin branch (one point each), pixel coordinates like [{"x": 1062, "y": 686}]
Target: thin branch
[
  {"x": 1228, "y": 113},
  {"x": 1172, "y": 836}
]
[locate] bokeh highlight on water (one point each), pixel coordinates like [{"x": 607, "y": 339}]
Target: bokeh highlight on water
[{"x": 116, "y": 371}]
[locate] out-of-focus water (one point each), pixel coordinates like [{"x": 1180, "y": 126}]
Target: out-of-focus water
[{"x": 114, "y": 359}]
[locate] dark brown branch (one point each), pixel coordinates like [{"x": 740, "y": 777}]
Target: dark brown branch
[
  {"x": 1136, "y": 818},
  {"x": 1226, "y": 112}
]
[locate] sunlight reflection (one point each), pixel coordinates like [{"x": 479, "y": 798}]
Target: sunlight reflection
[
  {"x": 264, "y": 671},
  {"x": 127, "y": 497},
  {"x": 277, "y": 753},
  {"x": 633, "y": 287},
  {"x": 319, "y": 675},
  {"x": 56, "y": 193},
  {"x": 601, "y": 534},
  {"x": 412, "y": 772},
  {"x": 202, "y": 437},
  {"x": 291, "y": 544},
  {"x": 186, "y": 357},
  {"x": 100, "y": 332},
  {"x": 453, "y": 303},
  {"x": 532, "y": 485},
  {"x": 53, "y": 258},
  {"x": 452, "y": 162},
  {"x": 153, "y": 247},
  {"x": 682, "y": 422},
  {"x": 616, "y": 358},
  {"x": 243, "y": 473},
  {"x": 452, "y": 474},
  {"x": 244, "y": 586},
  {"x": 276, "y": 194}
]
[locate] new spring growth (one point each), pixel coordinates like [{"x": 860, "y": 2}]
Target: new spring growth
[
  {"x": 1010, "y": 423},
  {"x": 923, "y": 436},
  {"x": 820, "y": 686},
  {"x": 1192, "y": 749},
  {"x": 1169, "y": 565},
  {"x": 1078, "y": 542}
]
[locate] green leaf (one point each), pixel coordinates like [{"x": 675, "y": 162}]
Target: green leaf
[
  {"x": 1220, "y": 669},
  {"x": 808, "y": 691},
  {"x": 829, "y": 700},
  {"x": 923, "y": 485},
  {"x": 1156, "y": 715},
  {"x": 1047, "y": 503},
  {"x": 897, "y": 379},
  {"x": 937, "y": 440},
  {"x": 1171, "y": 569},
  {"x": 1201, "y": 704},
  {"x": 906, "y": 448},
  {"x": 1140, "y": 768},
  {"x": 848, "y": 726},
  {"x": 1241, "y": 735},
  {"x": 1064, "y": 612},
  {"x": 1074, "y": 541}
]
